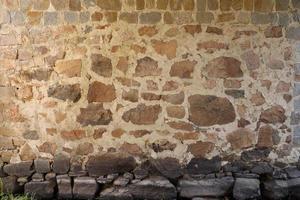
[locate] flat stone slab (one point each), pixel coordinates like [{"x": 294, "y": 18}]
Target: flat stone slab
[
  {"x": 246, "y": 189},
  {"x": 21, "y": 169},
  {"x": 64, "y": 184},
  {"x": 40, "y": 190},
  {"x": 85, "y": 188}
]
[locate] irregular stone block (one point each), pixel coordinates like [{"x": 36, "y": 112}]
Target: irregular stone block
[
  {"x": 101, "y": 65},
  {"x": 69, "y": 68},
  {"x": 293, "y": 33},
  {"x": 100, "y": 92},
  {"x": 204, "y": 166},
  {"x": 109, "y": 164},
  {"x": 21, "y": 169},
  {"x": 246, "y": 189},
  {"x": 65, "y": 92},
  {"x": 150, "y": 18},
  {"x": 64, "y": 185},
  {"x": 10, "y": 185},
  {"x": 275, "y": 189},
  {"x": 190, "y": 188},
  {"x": 40, "y": 190},
  {"x": 85, "y": 188},
  {"x": 113, "y": 193},
  {"x": 61, "y": 164},
  {"x": 42, "y": 166},
  {"x": 94, "y": 114},
  {"x": 109, "y": 5},
  {"x": 167, "y": 167}
]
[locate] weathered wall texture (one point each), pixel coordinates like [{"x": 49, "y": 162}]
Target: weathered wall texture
[{"x": 153, "y": 78}]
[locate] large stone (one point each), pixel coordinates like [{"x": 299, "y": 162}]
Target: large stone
[
  {"x": 42, "y": 166},
  {"x": 263, "y": 5},
  {"x": 183, "y": 69},
  {"x": 206, "y": 110},
  {"x": 168, "y": 48},
  {"x": 65, "y": 92},
  {"x": 147, "y": 67},
  {"x": 190, "y": 188},
  {"x": 273, "y": 115},
  {"x": 94, "y": 114},
  {"x": 246, "y": 189},
  {"x": 241, "y": 138},
  {"x": 142, "y": 114},
  {"x": 61, "y": 163},
  {"x": 167, "y": 167},
  {"x": 9, "y": 185},
  {"x": 109, "y": 164},
  {"x": 64, "y": 185},
  {"x": 267, "y": 137},
  {"x": 275, "y": 189},
  {"x": 69, "y": 68},
  {"x": 153, "y": 188},
  {"x": 294, "y": 186},
  {"x": 201, "y": 149},
  {"x": 150, "y": 17},
  {"x": 21, "y": 169},
  {"x": 109, "y": 5},
  {"x": 174, "y": 98},
  {"x": 114, "y": 193},
  {"x": 100, "y": 92},
  {"x": 101, "y": 65},
  {"x": 252, "y": 60},
  {"x": 204, "y": 166},
  {"x": 40, "y": 190},
  {"x": 224, "y": 67}
]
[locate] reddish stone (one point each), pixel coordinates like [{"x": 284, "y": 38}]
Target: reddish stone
[
  {"x": 201, "y": 149},
  {"x": 132, "y": 149},
  {"x": 211, "y": 46},
  {"x": 138, "y": 49},
  {"x": 151, "y": 97},
  {"x": 265, "y": 136},
  {"x": 170, "y": 86},
  {"x": 149, "y": 31},
  {"x": 147, "y": 67},
  {"x": 224, "y": 67},
  {"x": 73, "y": 135},
  {"x": 273, "y": 32},
  {"x": 273, "y": 115},
  {"x": 208, "y": 110},
  {"x": 186, "y": 136},
  {"x": 180, "y": 125},
  {"x": 174, "y": 98},
  {"x": 84, "y": 149},
  {"x": 252, "y": 60},
  {"x": 257, "y": 99},
  {"x": 168, "y": 48},
  {"x": 183, "y": 69},
  {"x": 98, "y": 133},
  {"x": 275, "y": 64},
  {"x": 48, "y": 147},
  {"x": 176, "y": 112},
  {"x": 94, "y": 114},
  {"x": 128, "y": 82},
  {"x": 215, "y": 30},
  {"x": 117, "y": 133},
  {"x": 131, "y": 95},
  {"x": 139, "y": 133},
  {"x": 192, "y": 29},
  {"x": 241, "y": 139},
  {"x": 232, "y": 83},
  {"x": 99, "y": 92},
  {"x": 283, "y": 87},
  {"x": 123, "y": 64},
  {"x": 142, "y": 114}
]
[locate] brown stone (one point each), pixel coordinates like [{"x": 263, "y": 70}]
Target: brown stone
[
  {"x": 252, "y": 60},
  {"x": 263, "y": 5},
  {"x": 183, "y": 69},
  {"x": 131, "y": 18},
  {"x": 111, "y": 17},
  {"x": 225, "y": 5},
  {"x": 283, "y": 87},
  {"x": 168, "y": 48},
  {"x": 128, "y": 82},
  {"x": 75, "y": 5},
  {"x": 162, "y": 4},
  {"x": 109, "y": 5},
  {"x": 248, "y": 5},
  {"x": 98, "y": 133},
  {"x": 8, "y": 40},
  {"x": 275, "y": 64},
  {"x": 138, "y": 49},
  {"x": 205, "y": 110},
  {"x": 226, "y": 17},
  {"x": 192, "y": 29},
  {"x": 142, "y": 114},
  {"x": 147, "y": 67},
  {"x": 73, "y": 135},
  {"x": 6, "y": 144},
  {"x": 224, "y": 67},
  {"x": 235, "y": 84},
  {"x": 201, "y": 149},
  {"x": 176, "y": 112},
  {"x": 94, "y": 114},
  {"x": 273, "y": 32},
  {"x": 257, "y": 99},
  {"x": 140, "y": 5},
  {"x": 69, "y": 68},
  {"x": 149, "y": 31},
  {"x": 151, "y": 97},
  {"x": 180, "y": 125},
  {"x": 41, "y": 5},
  {"x": 170, "y": 86},
  {"x": 188, "y": 4},
  {"x": 296, "y": 3},
  {"x": 213, "y": 4},
  {"x": 186, "y": 136},
  {"x": 237, "y": 4},
  {"x": 31, "y": 135},
  {"x": 60, "y": 4},
  {"x": 117, "y": 133},
  {"x": 131, "y": 95},
  {"x": 215, "y": 30},
  {"x": 99, "y": 92},
  {"x": 48, "y": 147},
  {"x": 139, "y": 133},
  {"x": 151, "y": 85},
  {"x": 241, "y": 139},
  {"x": 109, "y": 163},
  {"x": 34, "y": 17},
  {"x": 65, "y": 92},
  {"x": 174, "y": 98},
  {"x": 97, "y": 16},
  {"x": 273, "y": 115},
  {"x": 101, "y": 65},
  {"x": 265, "y": 136},
  {"x": 123, "y": 64},
  {"x": 132, "y": 149},
  {"x": 150, "y": 18},
  {"x": 26, "y": 153},
  {"x": 85, "y": 148},
  {"x": 212, "y": 46},
  {"x": 176, "y": 4}
]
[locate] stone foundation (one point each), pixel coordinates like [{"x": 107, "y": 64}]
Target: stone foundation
[{"x": 113, "y": 177}]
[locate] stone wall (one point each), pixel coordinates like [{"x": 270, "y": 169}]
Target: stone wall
[{"x": 148, "y": 78}]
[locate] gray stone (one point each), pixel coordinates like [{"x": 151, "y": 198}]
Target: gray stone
[
  {"x": 84, "y": 17},
  {"x": 293, "y": 33},
  {"x": 263, "y": 18},
  {"x": 297, "y": 105},
  {"x": 292, "y": 172},
  {"x": 246, "y": 189},
  {"x": 85, "y": 188},
  {"x": 150, "y": 18},
  {"x": 153, "y": 188},
  {"x": 61, "y": 164},
  {"x": 294, "y": 187},
  {"x": 31, "y": 135},
  {"x": 247, "y": 175},
  {"x": 296, "y": 89},
  {"x": 121, "y": 181},
  {"x": 283, "y": 19},
  {"x": 42, "y": 166},
  {"x": 40, "y": 190},
  {"x": 204, "y": 17},
  {"x": 64, "y": 185},
  {"x": 37, "y": 177},
  {"x": 17, "y": 18},
  {"x": 262, "y": 168},
  {"x": 113, "y": 193},
  {"x": 190, "y": 188},
  {"x": 6, "y": 144},
  {"x": 167, "y": 167},
  {"x": 21, "y": 169},
  {"x": 107, "y": 179},
  {"x": 204, "y": 166},
  {"x": 255, "y": 155},
  {"x": 71, "y": 17},
  {"x": 296, "y": 3},
  {"x": 22, "y": 180},
  {"x": 50, "y": 18},
  {"x": 25, "y": 4},
  {"x": 10, "y": 185},
  {"x": 237, "y": 94},
  {"x": 275, "y": 189}
]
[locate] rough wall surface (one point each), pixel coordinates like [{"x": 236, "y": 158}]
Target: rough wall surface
[{"x": 151, "y": 78}]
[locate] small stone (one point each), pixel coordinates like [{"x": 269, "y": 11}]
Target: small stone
[
  {"x": 101, "y": 65},
  {"x": 65, "y": 92},
  {"x": 275, "y": 64},
  {"x": 246, "y": 189},
  {"x": 215, "y": 30},
  {"x": 26, "y": 153},
  {"x": 262, "y": 18},
  {"x": 192, "y": 29},
  {"x": 31, "y": 135},
  {"x": 168, "y": 48},
  {"x": 40, "y": 190},
  {"x": 224, "y": 67},
  {"x": 266, "y": 136},
  {"x": 85, "y": 148},
  {"x": 176, "y": 112},
  {"x": 64, "y": 185},
  {"x": 71, "y": 17},
  {"x": 17, "y": 18},
  {"x": 132, "y": 95},
  {"x": 94, "y": 114},
  {"x": 36, "y": 177},
  {"x": 150, "y": 18},
  {"x": 75, "y": 5},
  {"x": 241, "y": 139},
  {"x": 42, "y": 166},
  {"x": 183, "y": 69},
  {"x": 167, "y": 167},
  {"x": 174, "y": 98},
  {"x": 61, "y": 163},
  {"x": 142, "y": 114},
  {"x": 273, "y": 115},
  {"x": 237, "y": 94},
  {"x": 41, "y": 5},
  {"x": 131, "y": 149},
  {"x": 100, "y": 92},
  {"x": 213, "y": 4},
  {"x": 147, "y": 67}
]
